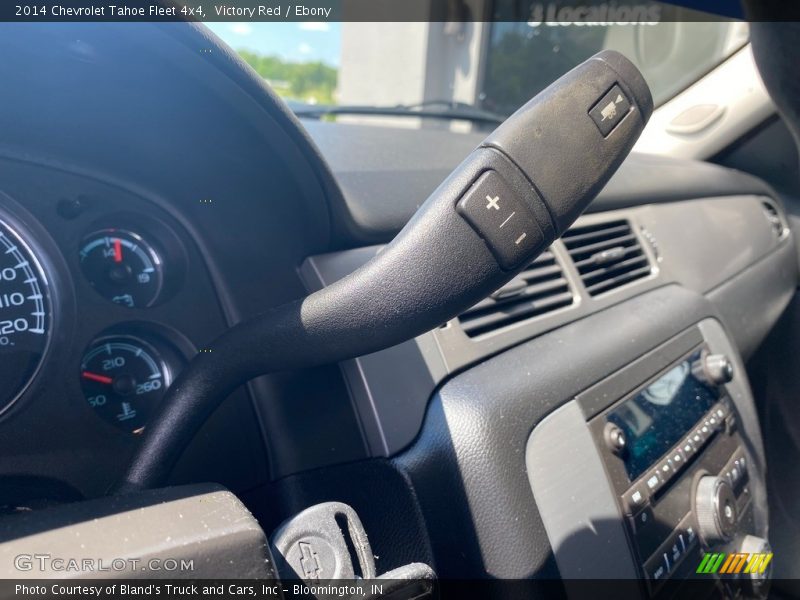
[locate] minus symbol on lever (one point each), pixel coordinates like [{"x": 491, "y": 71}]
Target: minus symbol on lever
[{"x": 520, "y": 238}]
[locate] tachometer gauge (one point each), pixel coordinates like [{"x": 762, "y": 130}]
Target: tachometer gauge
[
  {"x": 123, "y": 379},
  {"x": 25, "y": 315},
  {"x": 123, "y": 267}
]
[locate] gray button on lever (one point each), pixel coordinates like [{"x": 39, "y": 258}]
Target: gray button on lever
[{"x": 502, "y": 219}]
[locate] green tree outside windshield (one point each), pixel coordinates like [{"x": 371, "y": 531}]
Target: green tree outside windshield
[{"x": 310, "y": 82}]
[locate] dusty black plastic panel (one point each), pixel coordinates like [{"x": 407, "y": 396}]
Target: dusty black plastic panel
[
  {"x": 577, "y": 504},
  {"x": 710, "y": 240},
  {"x": 383, "y": 172},
  {"x": 390, "y": 388},
  {"x": 605, "y": 393},
  {"x": 751, "y": 302},
  {"x": 467, "y": 465},
  {"x": 702, "y": 244},
  {"x": 205, "y": 529}
]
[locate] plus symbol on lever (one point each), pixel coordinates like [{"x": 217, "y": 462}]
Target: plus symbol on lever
[{"x": 493, "y": 203}]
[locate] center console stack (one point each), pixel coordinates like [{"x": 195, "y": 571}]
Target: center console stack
[
  {"x": 676, "y": 461},
  {"x": 668, "y": 432}
]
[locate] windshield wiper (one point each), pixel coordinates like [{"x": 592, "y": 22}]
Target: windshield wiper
[{"x": 446, "y": 110}]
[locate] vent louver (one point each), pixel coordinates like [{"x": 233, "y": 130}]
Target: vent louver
[
  {"x": 607, "y": 255},
  {"x": 539, "y": 289},
  {"x": 775, "y": 221}
]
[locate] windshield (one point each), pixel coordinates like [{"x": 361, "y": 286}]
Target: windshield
[{"x": 492, "y": 66}]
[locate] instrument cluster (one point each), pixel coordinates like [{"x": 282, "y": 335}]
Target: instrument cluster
[{"x": 131, "y": 262}]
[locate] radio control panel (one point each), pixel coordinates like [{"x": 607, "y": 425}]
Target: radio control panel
[
  {"x": 656, "y": 474},
  {"x": 675, "y": 459}
]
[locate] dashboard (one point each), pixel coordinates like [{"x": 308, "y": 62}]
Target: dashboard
[
  {"x": 96, "y": 282},
  {"x": 133, "y": 232},
  {"x": 82, "y": 157}
]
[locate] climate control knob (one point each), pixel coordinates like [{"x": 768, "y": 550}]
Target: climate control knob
[
  {"x": 716, "y": 369},
  {"x": 715, "y": 507}
]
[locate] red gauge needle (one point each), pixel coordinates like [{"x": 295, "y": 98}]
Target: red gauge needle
[
  {"x": 96, "y": 377},
  {"x": 117, "y": 250}
]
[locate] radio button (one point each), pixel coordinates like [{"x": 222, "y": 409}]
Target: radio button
[
  {"x": 702, "y": 434},
  {"x": 743, "y": 499},
  {"x": 666, "y": 469},
  {"x": 675, "y": 551},
  {"x": 657, "y": 568},
  {"x": 730, "y": 424},
  {"x": 657, "y": 571},
  {"x": 691, "y": 536},
  {"x": 635, "y": 499},
  {"x": 698, "y": 439},
  {"x": 726, "y": 406},
  {"x": 615, "y": 439},
  {"x": 686, "y": 535},
  {"x": 713, "y": 423},
  {"x": 736, "y": 470},
  {"x": 741, "y": 462},
  {"x": 736, "y": 475},
  {"x": 654, "y": 482},
  {"x": 642, "y": 522},
  {"x": 714, "y": 369}
]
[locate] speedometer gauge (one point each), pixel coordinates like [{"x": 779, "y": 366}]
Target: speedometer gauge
[{"x": 25, "y": 315}]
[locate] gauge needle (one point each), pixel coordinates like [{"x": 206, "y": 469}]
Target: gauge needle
[
  {"x": 118, "y": 250},
  {"x": 96, "y": 377}
]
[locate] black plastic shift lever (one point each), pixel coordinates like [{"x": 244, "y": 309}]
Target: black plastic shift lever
[{"x": 511, "y": 197}]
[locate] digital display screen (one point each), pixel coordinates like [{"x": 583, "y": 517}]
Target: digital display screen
[{"x": 657, "y": 417}]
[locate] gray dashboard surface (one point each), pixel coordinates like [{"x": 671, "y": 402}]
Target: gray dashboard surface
[
  {"x": 468, "y": 463},
  {"x": 722, "y": 247},
  {"x": 386, "y": 173}
]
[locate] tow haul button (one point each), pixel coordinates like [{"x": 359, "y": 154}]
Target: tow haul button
[{"x": 611, "y": 109}]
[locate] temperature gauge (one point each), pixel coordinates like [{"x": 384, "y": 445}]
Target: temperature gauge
[
  {"x": 123, "y": 267},
  {"x": 123, "y": 379}
]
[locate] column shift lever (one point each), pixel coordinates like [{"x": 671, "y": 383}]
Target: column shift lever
[{"x": 509, "y": 199}]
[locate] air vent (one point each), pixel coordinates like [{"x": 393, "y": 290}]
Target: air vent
[
  {"x": 607, "y": 255},
  {"x": 775, "y": 221},
  {"x": 539, "y": 289}
]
